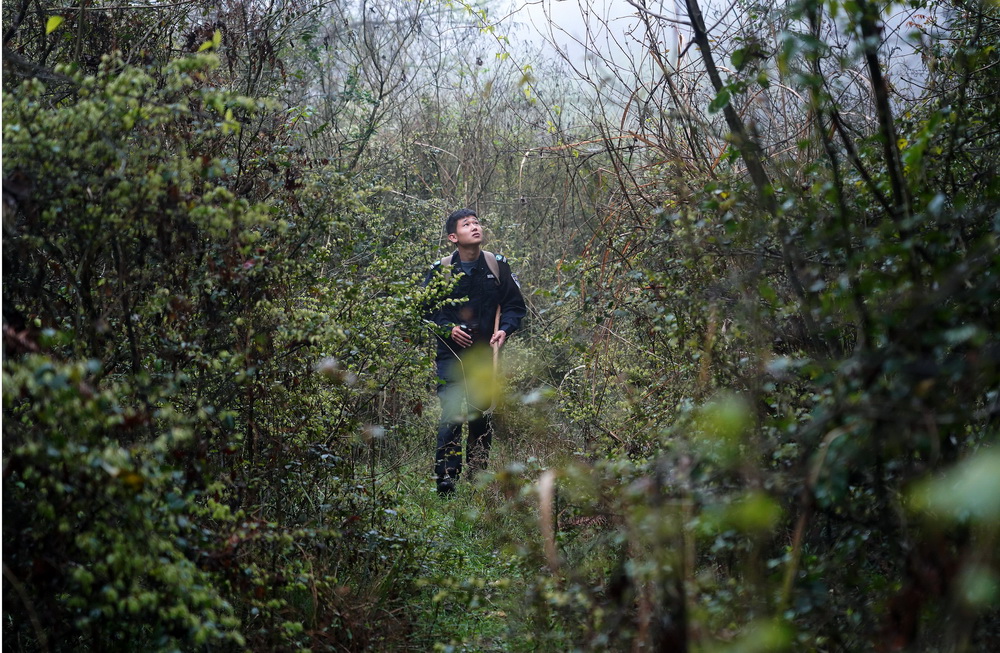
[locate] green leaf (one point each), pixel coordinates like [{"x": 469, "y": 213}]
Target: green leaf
[
  {"x": 213, "y": 44},
  {"x": 767, "y": 292},
  {"x": 764, "y": 635},
  {"x": 739, "y": 58},
  {"x": 754, "y": 513},
  {"x": 53, "y": 23},
  {"x": 720, "y": 427},
  {"x": 719, "y": 102}
]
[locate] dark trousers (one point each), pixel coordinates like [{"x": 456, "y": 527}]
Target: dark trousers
[{"x": 463, "y": 398}]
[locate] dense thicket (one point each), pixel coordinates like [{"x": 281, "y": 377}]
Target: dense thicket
[
  {"x": 755, "y": 406},
  {"x": 794, "y": 302},
  {"x": 189, "y": 338}
]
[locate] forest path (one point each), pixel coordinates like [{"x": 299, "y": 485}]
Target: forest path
[{"x": 471, "y": 581}]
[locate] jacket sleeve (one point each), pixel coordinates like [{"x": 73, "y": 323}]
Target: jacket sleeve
[{"x": 512, "y": 307}]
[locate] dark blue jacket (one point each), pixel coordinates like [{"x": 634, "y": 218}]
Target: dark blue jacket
[{"x": 481, "y": 294}]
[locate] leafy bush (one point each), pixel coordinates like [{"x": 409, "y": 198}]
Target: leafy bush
[
  {"x": 779, "y": 358},
  {"x": 192, "y": 379}
]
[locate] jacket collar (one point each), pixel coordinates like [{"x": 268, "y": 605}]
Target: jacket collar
[{"x": 457, "y": 260}]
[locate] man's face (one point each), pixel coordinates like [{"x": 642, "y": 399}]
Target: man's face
[{"x": 467, "y": 232}]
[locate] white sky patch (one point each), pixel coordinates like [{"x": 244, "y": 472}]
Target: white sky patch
[
  {"x": 577, "y": 28},
  {"x": 597, "y": 34}
]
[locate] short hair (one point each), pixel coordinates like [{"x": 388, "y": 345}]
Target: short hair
[{"x": 451, "y": 224}]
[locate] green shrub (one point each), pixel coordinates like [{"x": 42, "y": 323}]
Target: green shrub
[{"x": 196, "y": 379}]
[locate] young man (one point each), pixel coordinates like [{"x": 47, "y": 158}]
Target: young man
[{"x": 469, "y": 328}]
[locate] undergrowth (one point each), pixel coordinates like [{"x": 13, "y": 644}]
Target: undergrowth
[{"x": 474, "y": 582}]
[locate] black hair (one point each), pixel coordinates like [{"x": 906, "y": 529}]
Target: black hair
[{"x": 451, "y": 223}]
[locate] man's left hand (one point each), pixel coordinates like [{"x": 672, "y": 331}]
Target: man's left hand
[{"x": 498, "y": 339}]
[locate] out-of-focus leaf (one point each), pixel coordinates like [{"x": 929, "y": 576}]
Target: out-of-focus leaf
[
  {"x": 719, "y": 102},
  {"x": 970, "y": 490},
  {"x": 763, "y": 636},
  {"x": 979, "y": 587},
  {"x": 756, "y": 513},
  {"x": 720, "y": 426}
]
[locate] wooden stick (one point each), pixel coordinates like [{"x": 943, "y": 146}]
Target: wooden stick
[{"x": 496, "y": 364}]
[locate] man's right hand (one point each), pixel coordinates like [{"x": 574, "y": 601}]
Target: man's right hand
[{"x": 461, "y": 338}]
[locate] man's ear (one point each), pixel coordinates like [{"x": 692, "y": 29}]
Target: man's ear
[{"x": 453, "y": 238}]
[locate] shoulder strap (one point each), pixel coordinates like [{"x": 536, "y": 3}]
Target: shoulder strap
[{"x": 491, "y": 262}]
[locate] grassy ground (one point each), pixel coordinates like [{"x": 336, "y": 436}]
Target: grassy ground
[
  {"x": 471, "y": 584},
  {"x": 466, "y": 597}
]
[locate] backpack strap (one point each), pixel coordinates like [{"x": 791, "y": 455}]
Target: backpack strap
[{"x": 491, "y": 263}]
